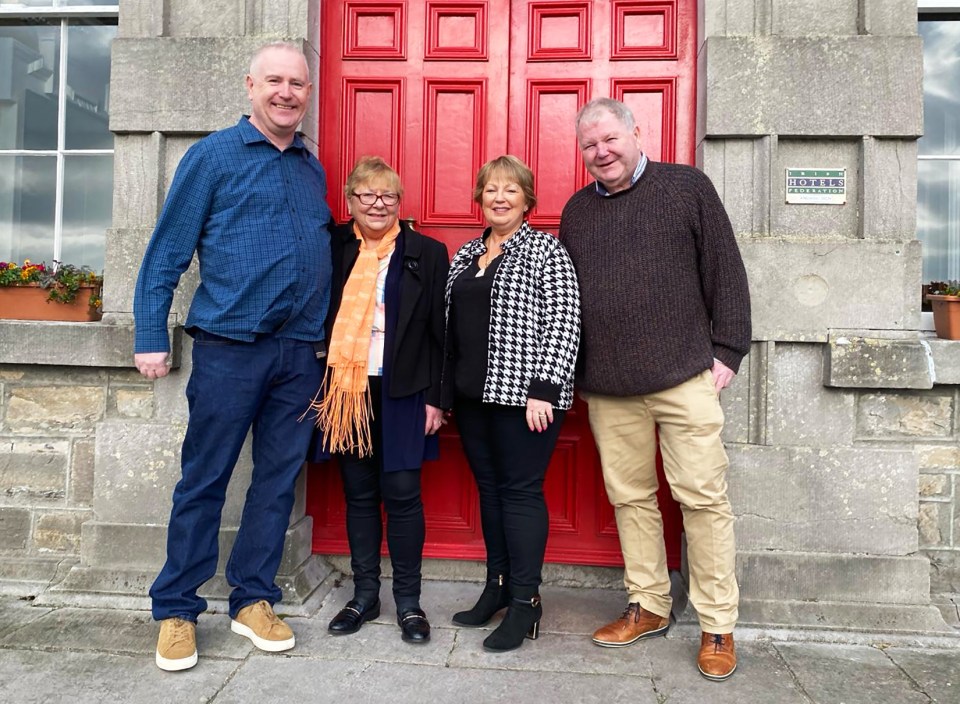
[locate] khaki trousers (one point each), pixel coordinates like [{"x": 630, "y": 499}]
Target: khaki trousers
[{"x": 690, "y": 419}]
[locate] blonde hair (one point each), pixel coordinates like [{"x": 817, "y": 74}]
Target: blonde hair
[
  {"x": 372, "y": 168},
  {"x": 511, "y": 168}
]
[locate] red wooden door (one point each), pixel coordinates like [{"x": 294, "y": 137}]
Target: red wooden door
[{"x": 437, "y": 89}]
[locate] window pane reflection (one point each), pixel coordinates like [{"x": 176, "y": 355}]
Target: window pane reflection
[
  {"x": 938, "y": 218},
  {"x": 87, "y": 204},
  {"x": 27, "y": 206},
  {"x": 26, "y": 4},
  {"x": 941, "y": 86},
  {"x": 29, "y": 68},
  {"x": 20, "y": 4},
  {"x": 88, "y": 81}
]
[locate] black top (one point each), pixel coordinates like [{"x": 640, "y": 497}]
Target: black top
[
  {"x": 413, "y": 348},
  {"x": 470, "y": 323}
]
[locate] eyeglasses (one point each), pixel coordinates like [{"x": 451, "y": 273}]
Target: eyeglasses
[{"x": 388, "y": 199}]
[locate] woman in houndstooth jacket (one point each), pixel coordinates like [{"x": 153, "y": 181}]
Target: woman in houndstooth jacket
[{"x": 513, "y": 327}]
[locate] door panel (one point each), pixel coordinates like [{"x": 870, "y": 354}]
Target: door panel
[{"x": 437, "y": 89}]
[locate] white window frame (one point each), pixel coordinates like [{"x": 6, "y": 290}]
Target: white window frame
[
  {"x": 61, "y": 152},
  {"x": 937, "y": 7}
]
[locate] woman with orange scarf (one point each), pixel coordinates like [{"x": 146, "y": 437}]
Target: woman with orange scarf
[{"x": 379, "y": 412}]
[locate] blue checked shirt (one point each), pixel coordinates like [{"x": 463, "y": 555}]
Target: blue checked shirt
[{"x": 257, "y": 219}]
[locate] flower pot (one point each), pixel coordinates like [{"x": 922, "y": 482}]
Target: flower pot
[
  {"x": 946, "y": 316},
  {"x": 30, "y": 303}
]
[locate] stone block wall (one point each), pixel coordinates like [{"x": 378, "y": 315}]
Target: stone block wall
[
  {"x": 48, "y": 416},
  {"x": 837, "y": 412},
  {"x": 939, "y": 518},
  {"x": 920, "y": 414}
]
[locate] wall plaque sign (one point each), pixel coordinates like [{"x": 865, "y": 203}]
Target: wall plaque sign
[{"x": 819, "y": 186}]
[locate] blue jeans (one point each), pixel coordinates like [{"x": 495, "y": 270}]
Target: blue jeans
[{"x": 266, "y": 385}]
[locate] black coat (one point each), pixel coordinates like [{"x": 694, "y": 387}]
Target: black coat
[{"x": 413, "y": 353}]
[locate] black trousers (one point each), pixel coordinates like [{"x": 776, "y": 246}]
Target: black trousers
[
  {"x": 366, "y": 486},
  {"x": 509, "y": 463}
]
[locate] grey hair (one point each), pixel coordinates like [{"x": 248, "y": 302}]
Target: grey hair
[
  {"x": 289, "y": 46},
  {"x": 594, "y": 110}
]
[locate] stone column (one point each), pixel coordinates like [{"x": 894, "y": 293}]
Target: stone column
[{"x": 827, "y": 511}]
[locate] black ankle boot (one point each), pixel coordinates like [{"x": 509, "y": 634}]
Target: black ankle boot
[
  {"x": 495, "y": 596},
  {"x": 522, "y": 621}
]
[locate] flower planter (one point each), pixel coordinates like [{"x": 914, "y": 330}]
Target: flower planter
[
  {"x": 30, "y": 303},
  {"x": 946, "y": 316}
]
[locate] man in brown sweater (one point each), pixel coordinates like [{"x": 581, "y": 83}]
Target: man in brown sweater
[{"x": 665, "y": 324}]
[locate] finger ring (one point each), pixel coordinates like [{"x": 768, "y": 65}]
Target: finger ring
[{"x": 541, "y": 413}]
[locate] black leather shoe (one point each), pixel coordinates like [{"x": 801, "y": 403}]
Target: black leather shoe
[
  {"x": 352, "y": 616},
  {"x": 414, "y": 627}
]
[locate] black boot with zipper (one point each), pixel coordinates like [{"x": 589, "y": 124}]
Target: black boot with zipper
[
  {"x": 522, "y": 621},
  {"x": 495, "y": 596}
]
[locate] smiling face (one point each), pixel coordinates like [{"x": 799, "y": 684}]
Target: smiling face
[
  {"x": 374, "y": 221},
  {"x": 503, "y": 203},
  {"x": 278, "y": 86},
  {"x": 610, "y": 151}
]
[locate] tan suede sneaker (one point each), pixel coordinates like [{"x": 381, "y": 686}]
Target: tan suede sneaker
[
  {"x": 258, "y": 623},
  {"x": 718, "y": 656},
  {"x": 635, "y": 623},
  {"x": 177, "y": 645}
]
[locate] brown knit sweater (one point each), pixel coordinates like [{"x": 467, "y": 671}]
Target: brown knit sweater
[{"x": 662, "y": 286}]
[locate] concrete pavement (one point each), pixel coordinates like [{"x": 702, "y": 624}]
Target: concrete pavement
[{"x": 67, "y": 654}]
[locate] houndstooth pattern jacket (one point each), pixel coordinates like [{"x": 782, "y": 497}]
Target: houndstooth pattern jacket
[{"x": 534, "y": 320}]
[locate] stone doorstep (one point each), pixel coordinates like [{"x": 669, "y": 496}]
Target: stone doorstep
[
  {"x": 759, "y": 620},
  {"x": 840, "y": 617},
  {"x": 93, "y": 587},
  {"x": 949, "y": 606}
]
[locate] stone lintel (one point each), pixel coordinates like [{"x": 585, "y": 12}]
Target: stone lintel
[
  {"x": 877, "y": 363},
  {"x": 850, "y": 86},
  {"x": 889, "y": 359},
  {"x": 946, "y": 359},
  {"x": 98, "y": 344}
]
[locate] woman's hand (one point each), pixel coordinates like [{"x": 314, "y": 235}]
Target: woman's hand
[
  {"x": 435, "y": 419},
  {"x": 539, "y": 414}
]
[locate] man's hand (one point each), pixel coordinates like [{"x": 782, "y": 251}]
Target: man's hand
[
  {"x": 152, "y": 365},
  {"x": 722, "y": 375},
  {"x": 435, "y": 420}
]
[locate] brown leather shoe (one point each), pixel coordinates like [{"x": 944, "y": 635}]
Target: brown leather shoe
[
  {"x": 635, "y": 623},
  {"x": 718, "y": 656}
]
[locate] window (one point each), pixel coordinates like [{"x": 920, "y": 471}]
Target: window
[
  {"x": 938, "y": 170},
  {"x": 56, "y": 149}
]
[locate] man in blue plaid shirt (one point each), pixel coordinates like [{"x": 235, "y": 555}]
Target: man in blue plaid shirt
[{"x": 249, "y": 201}]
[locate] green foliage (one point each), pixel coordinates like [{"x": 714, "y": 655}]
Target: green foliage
[
  {"x": 63, "y": 281},
  {"x": 944, "y": 288}
]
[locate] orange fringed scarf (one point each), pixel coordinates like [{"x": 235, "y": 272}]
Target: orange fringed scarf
[{"x": 345, "y": 412}]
